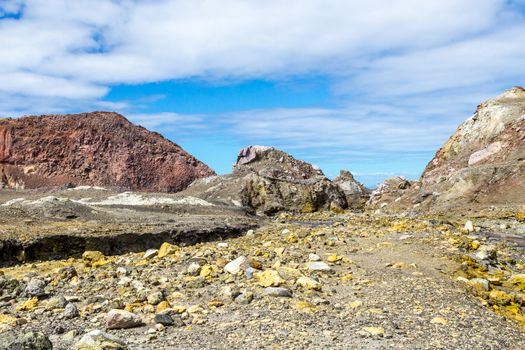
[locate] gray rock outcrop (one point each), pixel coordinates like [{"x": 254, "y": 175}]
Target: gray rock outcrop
[{"x": 267, "y": 180}]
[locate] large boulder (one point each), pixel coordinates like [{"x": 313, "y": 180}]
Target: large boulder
[
  {"x": 24, "y": 341},
  {"x": 481, "y": 169},
  {"x": 389, "y": 191},
  {"x": 267, "y": 180},
  {"x": 356, "y": 193},
  {"x": 99, "y": 148}
]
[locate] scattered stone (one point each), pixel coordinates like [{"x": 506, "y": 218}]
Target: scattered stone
[
  {"x": 36, "y": 287},
  {"x": 93, "y": 258},
  {"x": 24, "y": 341},
  {"x": 486, "y": 252},
  {"x": 118, "y": 319},
  {"x": 516, "y": 282},
  {"x": 313, "y": 257},
  {"x": 167, "y": 249},
  {"x": 194, "y": 269},
  {"x": 235, "y": 266},
  {"x": 99, "y": 340},
  {"x": 57, "y": 302},
  {"x": 309, "y": 283},
  {"x": 277, "y": 292},
  {"x": 374, "y": 330},
  {"x": 71, "y": 311},
  {"x": 479, "y": 283},
  {"x": 164, "y": 319},
  {"x": 469, "y": 226},
  {"x": 150, "y": 253},
  {"x": 244, "y": 298},
  {"x": 439, "y": 320},
  {"x": 27, "y": 305},
  {"x": 318, "y": 266},
  {"x": 269, "y": 278}
]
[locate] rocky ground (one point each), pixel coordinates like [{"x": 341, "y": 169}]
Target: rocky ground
[{"x": 338, "y": 281}]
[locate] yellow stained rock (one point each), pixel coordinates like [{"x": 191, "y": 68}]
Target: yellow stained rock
[
  {"x": 27, "y": 305},
  {"x": 334, "y": 258},
  {"x": 308, "y": 283},
  {"x": 269, "y": 278},
  {"x": 179, "y": 309},
  {"x": 195, "y": 309},
  {"x": 355, "y": 304},
  {"x": 215, "y": 303},
  {"x": 292, "y": 238},
  {"x": 304, "y": 306},
  {"x": 474, "y": 245},
  {"x": 94, "y": 258},
  {"x": 439, "y": 320},
  {"x": 256, "y": 264},
  {"x": 131, "y": 307},
  {"x": 167, "y": 249},
  {"x": 347, "y": 277},
  {"x": 163, "y": 305},
  {"x": 374, "y": 330},
  {"x": 499, "y": 297},
  {"x": 8, "y": 320},
  {"x": 516, "y": 282},
  {"x": 289, "y": 273},
  {"x": 207, "y": 270}
]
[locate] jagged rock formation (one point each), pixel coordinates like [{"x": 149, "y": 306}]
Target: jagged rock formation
[
  {"x": 388, "y": 191},
  {"x": 481, "y": 167},
  {"x": 356, "y": 194},
  {"x": 268, "y": 180},
  {"x": 99, "y": 148}
]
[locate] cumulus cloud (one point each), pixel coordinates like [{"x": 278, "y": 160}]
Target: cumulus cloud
[{"x": 395, "y": 68}]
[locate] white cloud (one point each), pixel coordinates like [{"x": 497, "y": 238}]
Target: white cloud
[
  {"x": 140, "y": 41},
  {"x": 398, "y": 68}
]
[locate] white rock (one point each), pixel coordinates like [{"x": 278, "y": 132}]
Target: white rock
[
  {"x": 313, "y": 257},
  {"x": 235, "y": 266},
  {"x": 98, "y": 339},
  {"x": 222, "y": 245},
  {"x": 469, "y": 226},
  {"x": 318, "y": 266},
  {"x": 285, "y": 231},
  {"x": 150, "y": 253},
  {"x": 118, "y": 319},
  {"x": 250, "y": 233}
]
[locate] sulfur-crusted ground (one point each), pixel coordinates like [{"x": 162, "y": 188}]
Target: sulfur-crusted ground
[{"x": 348, "y": 281}]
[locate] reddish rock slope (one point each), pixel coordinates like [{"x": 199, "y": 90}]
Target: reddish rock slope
[{"x": 99, "y": 148}]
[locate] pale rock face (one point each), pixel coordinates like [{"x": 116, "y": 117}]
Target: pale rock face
[
  {"x": 481, "y": 166},
  {"x": 356, "y": 194}
]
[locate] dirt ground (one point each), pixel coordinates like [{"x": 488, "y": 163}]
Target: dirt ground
[{"x": 346, "y": 281}]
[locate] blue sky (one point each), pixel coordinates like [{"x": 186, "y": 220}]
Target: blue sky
[{"x": 365, "y": 86}]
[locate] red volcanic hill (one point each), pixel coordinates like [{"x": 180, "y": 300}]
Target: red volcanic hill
[{"x": 99, "y": 149}]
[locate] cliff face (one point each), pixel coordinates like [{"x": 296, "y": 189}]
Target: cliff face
[
  {"x": 482, "y": 165},
  {"x": 99, "y": 148}
]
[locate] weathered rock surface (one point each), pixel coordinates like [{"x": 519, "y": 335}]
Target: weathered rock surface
[
  {"x": 27, "y": 341},
  {"x": 356, "y": 193},
  {"x": 389, "y": 191},
  {"x": 268, "y": 180},
  {"x": 99, "y": 148},
  {"x": 481, "y": 168}
]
